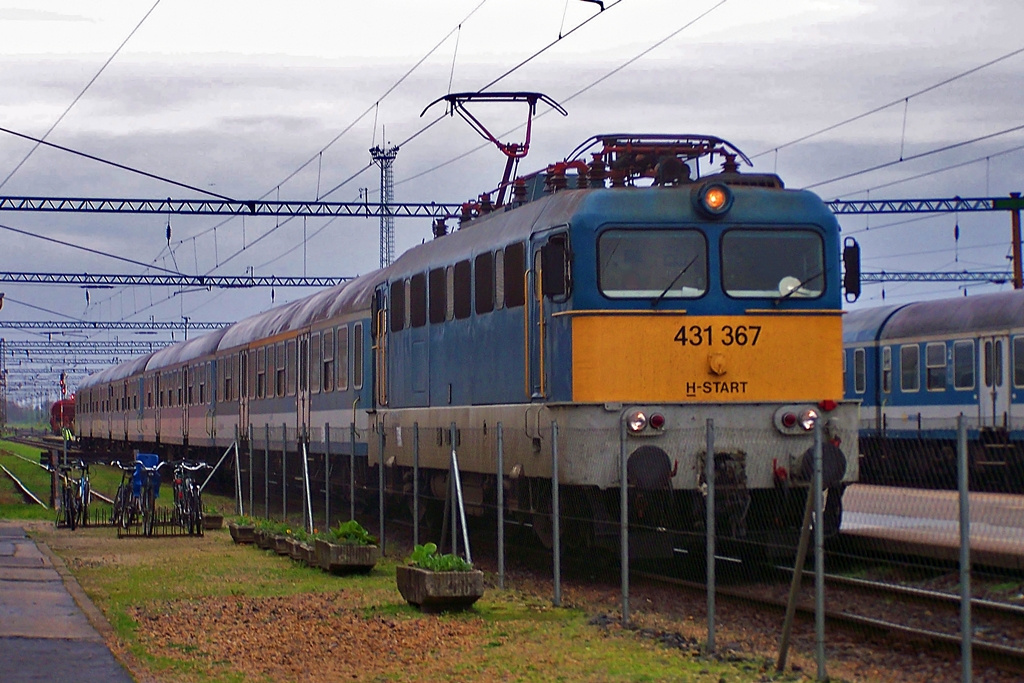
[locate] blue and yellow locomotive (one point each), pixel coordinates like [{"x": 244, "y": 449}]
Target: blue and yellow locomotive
[{"x": 632, "y": 296}]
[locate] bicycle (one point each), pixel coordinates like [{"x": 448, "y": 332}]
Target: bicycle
[
  {"x": 188, "y": 497},
  {"x": 149, "y": 490},
  {"x": 125, "y": 511},
  {"x": 83, "y": 492},
  {"x": 68, "y": 510}
]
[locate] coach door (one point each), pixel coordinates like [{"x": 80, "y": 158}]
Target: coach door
[
  {"x": 546, "y": 283},
  {"x": 301, "y": 368},
  {"x": 380, "y": 345},
  {"x": 243, "y": 391},
  {"x": 995, "y": 384}
]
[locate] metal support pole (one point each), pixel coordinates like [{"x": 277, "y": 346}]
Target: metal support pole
[
  {"x": 1018, "y": 274},
  {"x": 556, "y": 541},
  {"x": 327, "y": 475},
  {"x": 623, "y": 520},
  {"x": 453, "y": 507},
  {"x": 819, "y": 559},
  {"x": 266, "y": 471},
  {"x": 710, "y": 531},
  {"x": 501, "y": 508},
  {"x": 461, "y": 502},
  {"x": 252, "y": 510},
  {"x": 238, "y": 475},
  {"x": 415, "y": 484},
  {"x": 352, "y": 472},
  {"x": 284, "y": 472},
  {"x": 966, "y": 631},
  {"x": 305, "y": 482},
  {"x": 380, "y": 486}
]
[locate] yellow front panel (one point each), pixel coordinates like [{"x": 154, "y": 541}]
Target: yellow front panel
[{"x": 681, "y": 358}]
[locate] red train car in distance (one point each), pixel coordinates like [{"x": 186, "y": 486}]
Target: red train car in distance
[{"x": 62, "y": 416}]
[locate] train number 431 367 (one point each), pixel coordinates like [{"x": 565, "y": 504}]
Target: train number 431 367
[{"x": 726, "y": 335}]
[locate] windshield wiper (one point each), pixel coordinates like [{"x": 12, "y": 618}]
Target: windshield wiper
[
  {"x": 657, "y": 300},
  {"x": 794, "y": 290}
]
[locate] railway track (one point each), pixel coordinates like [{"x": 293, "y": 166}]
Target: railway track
[{"x": 870, "y": 607}]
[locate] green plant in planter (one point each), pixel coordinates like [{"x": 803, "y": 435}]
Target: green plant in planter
[
  {"x": 426, "y": 557},
  {"x": 350, "y": 533}
]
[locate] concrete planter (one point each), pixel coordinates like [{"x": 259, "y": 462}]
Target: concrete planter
[
  {"x": 345, "y": 558},
  {"x": 243, "y": 534},
  {"x": 283, "y": 545},
  {"x": 213, "y": 522},
  {"x": 439, "y": 591},
  {"x": 264, "y": 540}
]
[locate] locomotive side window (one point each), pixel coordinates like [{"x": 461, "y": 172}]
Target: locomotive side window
[
  {"x": 555, "y": 267},
  {"x": 463, "y": 295},
  {"x": 963, "y": 364},
  {"x": 357, "y": 356},
  {"x": 935, "y": 366},
  {"x": 342, "y": 358},
  {"x": 418, "y": 300},
  {"x": 1018, "y": 361},
  {"x": 773, "y": 263},
  {"x": 859, "y": 371},
  {"x": 910, "y": 368},
  {"x": 398, "y": 306},
  {"x": 514, "y": 265},
  {"x": 499, "y": 279},
  {"x": 327, "y": 367},
  {"x": 449, "y": 284},
  {"x": 438, "y": 296},
  {"x": 668, "y": 264},
  {"x": 483, "y": 269},
  {"x": 887, "y": 369}
]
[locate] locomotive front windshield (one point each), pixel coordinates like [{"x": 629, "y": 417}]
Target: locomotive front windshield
[
  {"x": 653, "y": 263},
  {"x": 773, "y": 263}
]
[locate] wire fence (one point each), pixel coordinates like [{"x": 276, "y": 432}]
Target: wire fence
[{"x": 760, "y": 495}]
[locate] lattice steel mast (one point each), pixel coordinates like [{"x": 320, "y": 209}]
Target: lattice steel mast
[{"x": 385, "y": 158}]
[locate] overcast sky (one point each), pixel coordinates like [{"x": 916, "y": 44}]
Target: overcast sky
[{"x": 236, "y": 96}]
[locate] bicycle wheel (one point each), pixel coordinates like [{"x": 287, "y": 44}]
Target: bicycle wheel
[
  {"x": 83, "y": 516},
  {"x": 117, "y": 510},
  {"x": 70, "y": 517},
  {"x": 197, "y": 509},
  {"x": 148, "y": 511}
]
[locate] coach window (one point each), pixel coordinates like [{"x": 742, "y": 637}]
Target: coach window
[
  {"x": 935, "y": 366},
  {"x": 483, "y": 270},
  {"x": 963, "y": 364},
  {"x": 314, "y": 361},
  {"x": 341, "y": 358},
  {"x": 261, "y": 372},
  {"x": 1018, "y": 361},
  {"x": 859, "y": 371},
  {"x": 202, "y": 383},
  {"x": 499, "y": 279},
  {"x": 773, "y": 263},
  {"x": 514, "y": 267},
  {"x": 994, "y": 363},
  {"x": 225, "y": 365},
  {"x": 290, "y": 369},
  {"x": 887, "y": 369},
  {"x": 179, "y": 382},
  {"x": 910, "y": 368},
  {"x": 463, "y": 290},
  {"x": 418, "y": 300},
  {"x": 190, "y": 380},
  {"x": 357, "y": 356},
  {"x": 653, "y": 264},
  {"x": 438, "y": 296},
  {"x": 280, "y": 369},
  {"x": 327, "y": 367},
  {"x": 398, "y": 306}
]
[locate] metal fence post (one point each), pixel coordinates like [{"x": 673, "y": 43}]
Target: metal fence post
[
  {"x": 327, "y": 476},
  {"x": 380, "y": 486},
  {"x": 284, "y": 471},
  {"x": 623, "y": 520},
  {"x": 819, "y": 558},
  {"x": 415, "y": 483},
  {"x": 248, "y": 431},
  {"x": 266, "y": 472},
  {"x": 556, "y": 541},
  {"x": 710, "y": 530},
  {"x": 352, "y": 472},
  {"x": 966, "y": 632},
  {"x": 501, "y": 508}
]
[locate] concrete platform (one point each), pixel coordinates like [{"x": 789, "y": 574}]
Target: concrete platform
[
  {"x": 927, "y": 523},
  {"x": 44, "y": 632}
]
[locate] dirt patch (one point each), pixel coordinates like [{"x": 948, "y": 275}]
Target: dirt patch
[{"x": 306, "y": 637}]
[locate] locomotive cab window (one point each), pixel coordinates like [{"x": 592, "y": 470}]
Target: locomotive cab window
[
  {"x": 773, "y": 263},
  {"x": 670, "y": 264}
]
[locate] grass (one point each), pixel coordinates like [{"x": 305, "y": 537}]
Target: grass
[{"x": 514, "y": 636}]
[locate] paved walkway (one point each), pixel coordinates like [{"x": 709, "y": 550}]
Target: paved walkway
[{"x": 44, "y": 634}]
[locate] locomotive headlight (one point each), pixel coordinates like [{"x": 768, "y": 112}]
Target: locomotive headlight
[
  {"x": 808, "y": 418},
  {"x": 712, "y": 199},
  {"x": 637, "y": 421}
]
